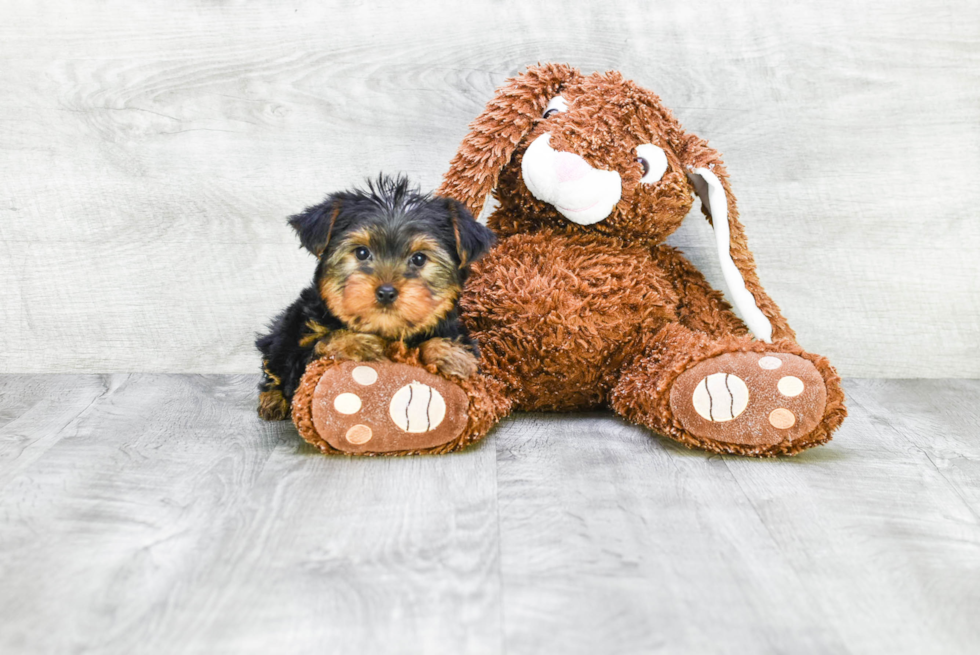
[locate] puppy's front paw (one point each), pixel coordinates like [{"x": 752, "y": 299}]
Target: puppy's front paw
[
  {"x": 354, "y": 346},
  {"x": 450, "y": 357},
  {"x": 273, "y": 406}
]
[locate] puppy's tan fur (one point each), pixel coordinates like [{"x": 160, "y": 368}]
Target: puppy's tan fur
[
  {"x": 450, "y": 357},
  {"x": 422, "y": 301},
  {"x": 355, "y": 346}
]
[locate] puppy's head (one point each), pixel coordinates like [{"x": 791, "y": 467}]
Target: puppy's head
[{"x": 392, "y": 260}]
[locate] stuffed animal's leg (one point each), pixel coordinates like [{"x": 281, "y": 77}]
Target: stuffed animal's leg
[
  {"x": 399, "y": 407},
  {"x": 731, "y": 394}
]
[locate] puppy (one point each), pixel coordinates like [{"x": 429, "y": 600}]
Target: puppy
[{"x": 391, "y": 264}]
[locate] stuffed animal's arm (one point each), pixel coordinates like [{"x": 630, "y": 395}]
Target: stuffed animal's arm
[
  {"x": 701, "y": 307},
  {"x": 743, "y": 259}
]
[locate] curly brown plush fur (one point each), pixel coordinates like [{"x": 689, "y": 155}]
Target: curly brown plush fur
[{"x": 574, "y": 316}]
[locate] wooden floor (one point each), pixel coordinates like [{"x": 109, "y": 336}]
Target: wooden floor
[{"x": 156, "y": 514}]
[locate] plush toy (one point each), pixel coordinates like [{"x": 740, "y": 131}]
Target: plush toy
[{"x": 581, "y": 305}]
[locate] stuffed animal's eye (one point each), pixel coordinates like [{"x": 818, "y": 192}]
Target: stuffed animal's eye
[
  {"x": 654, "y": 162},
  {"x": 419, "y": 259},
  {"x": 362, "y": 253},
  {"x": 555, "y": 105}
]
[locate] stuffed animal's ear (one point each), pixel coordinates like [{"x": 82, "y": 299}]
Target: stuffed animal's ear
[
  {"x": 706, "y": 173},
  {"x": 473, "y": 240},
  {"x": 316, "y": 225},
  {"x": 495, "y": 134}
]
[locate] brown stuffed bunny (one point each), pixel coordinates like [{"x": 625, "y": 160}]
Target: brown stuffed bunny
[{"x": 581, "y": 305}]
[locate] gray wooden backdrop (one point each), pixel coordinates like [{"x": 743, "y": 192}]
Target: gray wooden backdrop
[{"x": 149, "y": 152}]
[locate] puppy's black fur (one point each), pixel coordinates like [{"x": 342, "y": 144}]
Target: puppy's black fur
[{"x": 389, "y": 216}]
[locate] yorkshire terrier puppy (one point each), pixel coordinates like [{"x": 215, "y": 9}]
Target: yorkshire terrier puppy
[{"x": 391, "y": 264}]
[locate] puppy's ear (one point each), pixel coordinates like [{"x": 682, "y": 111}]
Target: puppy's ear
[
  {"x": 496, "y": 133},
  {"x": 473, "y": 240},
  {"x": 317, "y": 224}
]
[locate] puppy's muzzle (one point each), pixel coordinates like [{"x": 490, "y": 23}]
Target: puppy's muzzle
[{"x": 582, "y": 194}]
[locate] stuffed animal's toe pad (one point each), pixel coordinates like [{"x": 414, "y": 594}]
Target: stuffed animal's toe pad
[
  {"x": 753, "y": 399},
  {"x": 381, "y": 407}
]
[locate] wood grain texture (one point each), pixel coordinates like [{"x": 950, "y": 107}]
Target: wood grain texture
[
  {"x": 616, "y": 542},
  {"x": 35, "y": 413},
  {"x": 161, "y": 516},
  {"x": 168, "y": 518},
  {"x": 149, "y": 153}
]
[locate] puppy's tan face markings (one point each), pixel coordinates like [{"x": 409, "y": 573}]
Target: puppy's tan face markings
[
  {"x": 421, "y": 272},
  {"x": 612, "y": 125}
]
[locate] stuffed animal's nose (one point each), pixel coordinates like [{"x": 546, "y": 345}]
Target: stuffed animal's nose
[
  {"x": 386, "y": 294},
  {"x": 570, "y": 167}
]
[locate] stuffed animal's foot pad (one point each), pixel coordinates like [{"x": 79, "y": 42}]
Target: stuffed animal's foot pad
[
  {"x": 753, "y": 399},
  {"x": 381, "y": 407}
]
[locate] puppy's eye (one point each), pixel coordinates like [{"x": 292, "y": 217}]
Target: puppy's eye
[
  {"x": 555, "y": 105},
  {"x": 362, "y": 253},
  {"x": 653, "y": 160},
  {"x": 419, "y": 259}
]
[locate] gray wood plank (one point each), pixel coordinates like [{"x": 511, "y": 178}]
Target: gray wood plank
[
  {"x": 21, "y": 394},
  {"x": 169, "y": 519},
  {"x": 940, "y": 418},
  {"x": 149, "y": 153},
  {"x": 120, "y": 512},
  {"x": 35, "y": 412},
  {"x": 163, "y": 517},
  {"x": 890, "y": 542},
  {"x": 355, "y": 556},
  {"x": 613, "y": 541},
  {"x": 616, "y": 542}
]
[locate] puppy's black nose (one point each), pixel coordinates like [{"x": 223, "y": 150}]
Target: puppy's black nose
[{"x": 386, "y": 294}]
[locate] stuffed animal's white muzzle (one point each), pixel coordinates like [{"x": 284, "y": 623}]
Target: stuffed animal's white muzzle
[{"x": 580, "y": 193}]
